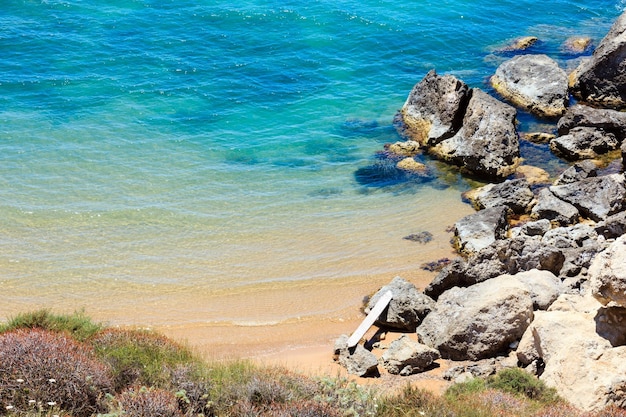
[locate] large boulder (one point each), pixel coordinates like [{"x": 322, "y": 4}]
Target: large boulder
[
  {"x": 514, "y": 194},
  {"x": 407, "y": 307},
  {"x": 435, "y": 107},
  {"x": 579, "y": 115},
  {"x": 487, "y": 143},
  {"x": 595, "y": 198},
  {"x": 578, "y": 171},
  {"x": 613, "y": 226},
  {"x": 406, "y": 357},
  {"x": 584, "y": 143},
  {"x": 601, "y": 80},
  {"x": 478, "y": 322},
  {"x": 356, "y": 360},
  {"x": 608, "y": 274},
  {"x": 578, "y": 361},
  {"x": 533, "y": 82},
  {"x": 543, "y": 286},
  {"x": 479, "y": 230}
]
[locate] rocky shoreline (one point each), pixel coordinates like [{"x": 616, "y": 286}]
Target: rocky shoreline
[{"x": 540, "y": 281}]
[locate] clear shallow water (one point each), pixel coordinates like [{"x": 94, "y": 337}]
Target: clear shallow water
[{"x": 175, "y": 163}]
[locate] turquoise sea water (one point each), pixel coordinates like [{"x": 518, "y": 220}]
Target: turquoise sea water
[{"x": 199, "y": 161}]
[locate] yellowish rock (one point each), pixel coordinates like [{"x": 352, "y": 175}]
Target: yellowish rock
[
  {"x": 533, "y": 174},
  {"x": 411, "y": 165},
  {"x": 577, "y": 44},
  {"x": 407, "y": 148},
  {"x": 521, "y": 43}
]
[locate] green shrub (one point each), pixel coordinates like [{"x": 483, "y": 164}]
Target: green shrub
[
  {"x": 77, "y": 324},
  {"x": 41, "y": 370},
  {"x": 518, "y": 381},
  {"x": 139, "y": 357}
]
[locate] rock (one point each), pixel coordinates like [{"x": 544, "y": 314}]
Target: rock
[
  {"x": 613, "y": 226},
  {"x": 534, "y": 175},
  {"x": 608, "y": 274},
  {"x": 475, "y": 369},
  {"x": 538, "y": 137},
  {"x": 479, "y": 230},
  {"x": 514, "y": 194},
  {"x": 435, "y": 107},
  {"x": 411, "y": 165},
  {"x": 421, "y": 237},
  {"x": 533, "y": 82},
  {"x": 486, "y": 145},
  {"x": 579, "y": 115},
  {"x": 554, "y": 209},
  {"x": 601, "y": 80},
  {"x": 358, "y": 360},
  {"x": 611, "y": 325},
  {"x": 536, "y": 228},
  {"x": 520, "y": 44},
  {"x": 543, "y": 286},
  {"x": 407, "y": 307},
  {"x": 479, "y": 321},
  {"x": 406, "y": 357},
  {"x": 576, "y": 236},
  {"x": 577, "y": 44},
  {"x": 622, "y": 149},
  {"x": 508, "y": 256},
  {"x": 578, "y": 171},
  {"x": 582, "y": 365},
  {"x": 595, "y": 198},
  {"x": 584, "y": 143},
  {"x": 406, "y": 148}
]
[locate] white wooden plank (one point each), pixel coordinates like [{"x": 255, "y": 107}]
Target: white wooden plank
[{"x": 370, "y": 319}]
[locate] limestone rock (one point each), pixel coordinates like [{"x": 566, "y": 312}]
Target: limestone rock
[
  {"x": 486, "y": 145},
  {"x": 411, "y": 165},
  {"x": 533, "y": 82},
  {"x": 434, "y": 109},
  {"x": 538, "y": 137},
  {"x": 407, "y": 307},
  {"x": 406, "y": 148},
  {"x": 479, "y": 230},
  {"x": 514, "y": 194},
  {"x": 608, "y": 274},
  {"x": 578, "y": 171},
  {"x": 520, "y": 44},
  {"x": 406, "y": 357},
  {"x": 601, "y": 80},
  {"x": 584, "y": 143},
  {"x": 577, "y": 44},
  {"x": 543, "y": 286},
  {"x": 582, "y": 365},
  {"x": 479, "y": 321},
  {"x": 613, "y": 226},
  {"x": 579, "y": 115},
  {"x": 554, "y": 209},
  {"x": 534, "y": 175},
  {"x": 595, "y": 198},
  {"x": 536, "y": 228},
  {"x": 357, "y": 360}
]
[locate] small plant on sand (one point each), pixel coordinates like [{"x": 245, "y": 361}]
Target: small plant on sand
[
  {"x": 41, "y": 370},
  {"x": 142, "y": 402},
  {"x": 518, "y": 381}
]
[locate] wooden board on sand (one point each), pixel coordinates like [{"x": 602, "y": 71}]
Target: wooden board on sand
[{"x": 370, "y": 319}]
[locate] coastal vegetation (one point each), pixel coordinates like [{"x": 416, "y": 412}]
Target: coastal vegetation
[{"x": 67, "y": 365}]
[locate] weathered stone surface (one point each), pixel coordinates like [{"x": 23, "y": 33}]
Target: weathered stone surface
[
  {"x": 479, "y": 321},
  {"x": 595, "y": 198},
  {"x": 582, "y": 365},
  {"x": 601, "y": 80},
  {"x": 584, "y": 143},
  {"x": 543, "y": 286},
  {"x": 486, "y": 145},
  {"x": 514, "y": 194},
  {"x": 579, "y": 115},
  {"x": 406, "y": 357},
  {"x": 533, "y": 82},
  {"x": 435, "y": 107},
  {"x": 611, "y": 325},
  {"x": 614, "y": 226},
  {"x": 608, "y": 274},
  {"x": 508, "y": 256},
  {"x": 536, "y": 228},
  {"x": 554, "y": 209},
  {"x": 479, "y": 230},
  {"x": 538, "y": 137},
  {"x": 520, "y": 44},
  {"x": 411, "y": 165},
  {"x": 578, "y": 171},
  {"x": 576, "y": 236},
  {"x": 357, "y": 360},
  {"x": 407, "y": 307}
]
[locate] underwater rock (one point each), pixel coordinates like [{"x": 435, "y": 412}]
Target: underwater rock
[{"x": 421, "y": 237}]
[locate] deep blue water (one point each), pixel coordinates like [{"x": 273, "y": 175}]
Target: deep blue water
[{"x": 201, "y": 144}]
